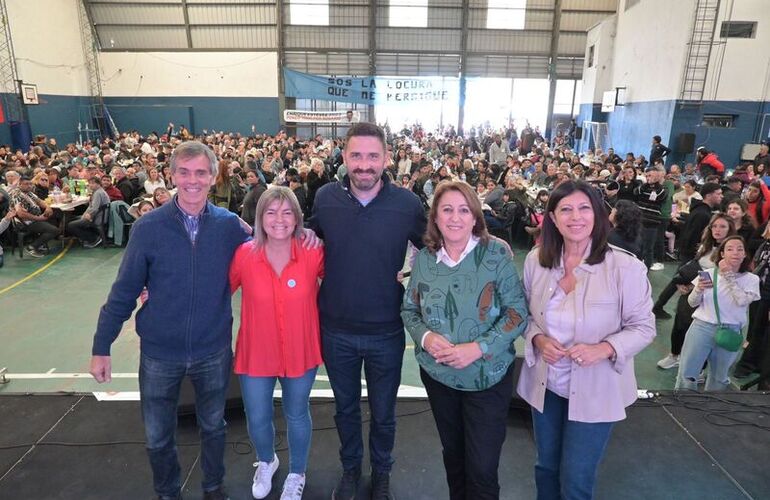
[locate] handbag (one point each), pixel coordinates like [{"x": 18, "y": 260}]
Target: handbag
[{"x": 725, "y": 337}]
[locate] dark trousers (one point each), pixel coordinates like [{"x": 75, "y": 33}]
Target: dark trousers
[
  {"x": 381, "y": 356},
  {"x": 471, "y": 425},
  {"x": 159, "y": 384},
  {"x": 84, "y": 230},
  {"x": 665, "y": 295},
  {"x": 682, "y": 322},
  {"x": 568, "y": 452},
  {"x": 756, "y": 336},
  {"x": 45, "y": 232},
  {"x": 649, "y": 237},
  {"x": 659, "y": 249}
]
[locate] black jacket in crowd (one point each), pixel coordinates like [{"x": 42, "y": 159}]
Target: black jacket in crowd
[
  {"x": 689, "y": 237},
  {"x": 650, "y": 199},
  {"x": 658, "y": 152}
]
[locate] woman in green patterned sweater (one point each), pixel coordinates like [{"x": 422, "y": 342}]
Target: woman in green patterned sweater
[{"x": 464, "y": 307}]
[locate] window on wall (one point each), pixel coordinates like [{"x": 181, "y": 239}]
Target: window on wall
[
  {"x": 738, "y": 29},
  {"x": 719, "y": 121},
  {"x": 408, "y": 13},
  {"x": 314, "y": 12},
  {"x": 591, "y": 50},
  {"x": 567, "y": 99},
  {"x": 506, "y": 14}
]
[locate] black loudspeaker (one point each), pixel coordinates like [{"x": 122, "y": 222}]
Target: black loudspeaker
[
  {"x": 578, "y": 132},
  {"x": 187, "y": 396},
  {"x": 685, "y": 143}
]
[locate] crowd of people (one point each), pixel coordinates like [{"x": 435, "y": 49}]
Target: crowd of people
[{"x": 316, "y": 232}]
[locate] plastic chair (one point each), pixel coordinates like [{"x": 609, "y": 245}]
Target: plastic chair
[{"x": 103, "y": 214}]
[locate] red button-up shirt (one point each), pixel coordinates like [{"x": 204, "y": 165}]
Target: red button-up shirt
[{"x": 279, "y": 334}]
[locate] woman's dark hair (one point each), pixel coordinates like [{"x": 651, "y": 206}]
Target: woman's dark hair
[
  {"x": 759, "y": 205},
  {"x": 746, "y": 221},
  {"x": 717, "y": 256},
  {"x": 628, "y": 220},
  {"x": 707, "y": 241},
  {"x": 550, "y": 250}
]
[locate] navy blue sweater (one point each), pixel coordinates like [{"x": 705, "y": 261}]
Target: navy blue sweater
[
  {"x": 365, "y": 247},
  {"x": 188, "y": 315}
]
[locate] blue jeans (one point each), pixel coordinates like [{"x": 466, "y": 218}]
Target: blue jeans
[
  {"x": 159, "y": 384},
  {"x": 295, "y": 399},
  {"x": 568, "y": 453},
  {"x": 699, "y": 346},
  {"x": 381, "y": 356}
]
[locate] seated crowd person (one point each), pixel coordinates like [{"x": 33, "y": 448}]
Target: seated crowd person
[
  {"x": 160, "y": 197},
  {"x": 86, "y": 227},
  {"x": 112, "y": 192},
  {"x": 5, "y": 223},
  {"x": 35, "y": 215}
]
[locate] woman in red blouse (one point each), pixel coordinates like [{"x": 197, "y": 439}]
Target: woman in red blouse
[{"x": 279, "y": 337}]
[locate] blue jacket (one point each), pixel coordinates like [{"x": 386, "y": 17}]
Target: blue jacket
[
  {"x": 365, "y": 247},
  {"x": 188, "y": 315}
]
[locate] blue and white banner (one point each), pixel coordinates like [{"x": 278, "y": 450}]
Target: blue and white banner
[
  {"x": 369, "y": 90},
  {"x": 301, "y": 116}
]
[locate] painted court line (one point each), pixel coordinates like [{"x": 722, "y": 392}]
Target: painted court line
[
  {"x": 51, "y": 375},
  {"x": 404, "y": 391},
  {"x": 39, "y": 271}
]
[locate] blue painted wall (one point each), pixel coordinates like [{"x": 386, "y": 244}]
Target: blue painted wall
[
  {"x": 632, "y": 126},
  {"x": 236, "y": 114},
  {"x": 726, "y": 142},
  {"x": 58, "y": 116}
]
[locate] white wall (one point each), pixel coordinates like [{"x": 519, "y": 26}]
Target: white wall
[
  {"x": 651, "y": 48},
  {"x": 740, "y": 67},
  {"x": 598, "y": 77},
  {"x": 204, "y": 74},
  {"x": 48, "y": 47}
]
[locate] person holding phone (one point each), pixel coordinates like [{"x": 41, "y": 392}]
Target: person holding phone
[
  {"x": 727, "y": 306},
  {"x": 720, "y": 227}
]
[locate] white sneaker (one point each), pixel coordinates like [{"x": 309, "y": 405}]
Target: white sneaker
[
  {"x": 293, "y": 486},
  {"x": 263, "y": 478},
  {"x": 657, "y": 266},
  {"x": 669, "y": 362}
]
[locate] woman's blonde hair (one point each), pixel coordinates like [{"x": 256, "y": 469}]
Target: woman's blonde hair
[
  {"x": 433, "y": 239},
  {"x": 280, "y": 193}
]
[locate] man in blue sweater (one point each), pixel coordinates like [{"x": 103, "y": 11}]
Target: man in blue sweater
[
  {"x": 181, "y": 254},
  {"x": 365, "y": 223}
]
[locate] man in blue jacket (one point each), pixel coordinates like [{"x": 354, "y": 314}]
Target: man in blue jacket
[
  {"x": 365, "y": 223},
  {"x": 181, "y": 254}
]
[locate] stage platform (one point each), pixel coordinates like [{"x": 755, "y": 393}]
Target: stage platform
[{"x": 689, "y": 446}]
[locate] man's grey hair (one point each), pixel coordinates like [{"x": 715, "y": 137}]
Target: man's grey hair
[
  {"x": 193, "y": 149},
  {"x": 118, "y": 169}
]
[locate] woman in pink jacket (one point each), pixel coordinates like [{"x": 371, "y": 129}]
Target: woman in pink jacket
[{"x": 590, "y": 314}]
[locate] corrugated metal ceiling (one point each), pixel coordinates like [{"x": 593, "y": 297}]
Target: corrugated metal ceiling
[{"x": 251, "y": 25}]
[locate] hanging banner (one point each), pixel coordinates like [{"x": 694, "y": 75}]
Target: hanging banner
[
  {"x": 368, "y": 90},
  {"x": 300, "y": 116}
]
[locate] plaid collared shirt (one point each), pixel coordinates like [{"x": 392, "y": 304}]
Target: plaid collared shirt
[{"x": 191, "y": 222}]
